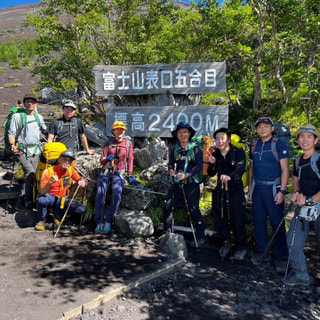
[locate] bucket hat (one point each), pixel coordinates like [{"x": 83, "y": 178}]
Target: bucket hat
[
  {"x": 183, "y": 125},
  {"x": 308, "y": 128}
]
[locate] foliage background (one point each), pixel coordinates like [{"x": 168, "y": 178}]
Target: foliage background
[{"x": 271, "y": 49}]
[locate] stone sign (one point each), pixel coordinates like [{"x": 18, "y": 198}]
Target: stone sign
[{"x": 160, "y": 121}]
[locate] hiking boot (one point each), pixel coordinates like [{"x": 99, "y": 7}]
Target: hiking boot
[
  {"x": 240, "y": 254},
  {"x": 293, "y": 280},
  {"x": 106, "y": 228},
  {"x": 200, "y": 242},
  {"x": 259, "y": 258},
  {"x": 225, "y": 249},
  {"x": 40, "y": 226},
  {"x": 280, "y": 266},
  {"x": 99, "y": 228}
]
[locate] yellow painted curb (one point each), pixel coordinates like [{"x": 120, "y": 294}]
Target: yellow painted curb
[{"x": 121, "y": 289}]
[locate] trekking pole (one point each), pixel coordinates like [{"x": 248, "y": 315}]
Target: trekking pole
[
  {"x": 222, "y": 201},
  {"x": 64, "y": 216},
  {"x": 291, "y": 245},
  {"x": 227, "y": 200},
  {"x": 188, "y": 212},
  {"x": 11, "y": 183},
  {"x": 172, "y": 206},
  {"x": 275, "y": 233}
]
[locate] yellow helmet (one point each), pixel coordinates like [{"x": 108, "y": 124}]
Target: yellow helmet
[{"x": 119, "y": 125}]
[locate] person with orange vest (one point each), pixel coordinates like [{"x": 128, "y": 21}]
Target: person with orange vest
[{"x": 55, "y": 183}]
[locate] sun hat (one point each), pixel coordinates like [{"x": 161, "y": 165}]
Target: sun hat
[
  {"x": 30, "y": 96},
  {"x": 69, "y": 154},
  {"x": 183, "y": 125},
  {"x": 119, "y": 125},
  {"x": 308, "y": 128},
  {"x": 69, "y": 103},
  {"x": 264, "y": 120}
]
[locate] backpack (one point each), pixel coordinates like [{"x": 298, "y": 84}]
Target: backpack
[
  {"x": 23, "y": 117},
  {"x": 72, "y": 123},
  {"x": 49, "y": 157},
  {"x": 235, "y": 141},
  {"x": 195, "y": 141},
  {"x": 282, "y": 132},
  {"x": 274, "y": 142},
  {"x": 127, "y": 139},
  {"x": 313, "y": 163}
]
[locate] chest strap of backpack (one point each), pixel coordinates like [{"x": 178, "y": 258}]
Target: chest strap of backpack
[
  {"x": 274, "y": 151},
  {"x": 63, "y": 199},
  {"x": 24, "y": 124}
]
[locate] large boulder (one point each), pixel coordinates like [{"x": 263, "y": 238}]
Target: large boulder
[
  {"x": 133, "y": 225},
  {"x": 173, "y": 244},
  {"x": 154, "y": 151}
]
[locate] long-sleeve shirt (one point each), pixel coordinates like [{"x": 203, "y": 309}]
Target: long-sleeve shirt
[
  {"x": 177, "y": 160},
  {"x": 123, "y": 154},
  {"x": 233, "y": 164}
]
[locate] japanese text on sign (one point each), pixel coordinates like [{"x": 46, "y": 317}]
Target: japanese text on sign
[
  {"x": 188, "y": 78},
  {"x": 160, "y": 121}
]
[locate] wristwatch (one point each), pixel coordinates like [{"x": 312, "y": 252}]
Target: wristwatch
[
  {"x": 309, "y": 201},
  {"x": 284, "y": 192}
]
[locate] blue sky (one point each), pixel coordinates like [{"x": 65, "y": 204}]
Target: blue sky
[{"x": 6, "y": 3}]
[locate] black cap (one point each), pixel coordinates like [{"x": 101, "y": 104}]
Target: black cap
[
  {"x": 69, "y": 154},
  {"x": 183, "y": 125},
  {"x": 30, "y": 96},
  {"x": 264, "y": 120}
]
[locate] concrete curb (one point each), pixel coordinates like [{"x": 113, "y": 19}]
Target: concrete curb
[{"x": 113, "y": 292}]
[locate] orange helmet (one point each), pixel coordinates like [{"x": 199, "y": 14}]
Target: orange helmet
[{"x": 119, "y": 125}]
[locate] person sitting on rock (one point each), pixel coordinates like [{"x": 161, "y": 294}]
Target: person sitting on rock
[
  {"x": 55, "y": 183},
  {"x": 117, "y": 159}
]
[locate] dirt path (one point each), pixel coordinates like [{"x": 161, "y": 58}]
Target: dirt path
[{"x": 42, "y": 276}]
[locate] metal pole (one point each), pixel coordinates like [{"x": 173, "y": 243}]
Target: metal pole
[
  {"x": 64, "y": 216},
  {"x": 188, "y": 212}
]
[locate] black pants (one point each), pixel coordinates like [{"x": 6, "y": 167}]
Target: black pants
[
  {"x": 235, "y": 215},
  {"x": 174, "y": 198}
]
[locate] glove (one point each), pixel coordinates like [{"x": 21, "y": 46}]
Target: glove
[
  {"x": 110, "y": 157},
  {"x": 133, "y": 181}
]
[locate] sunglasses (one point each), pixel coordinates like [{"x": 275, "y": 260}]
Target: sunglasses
[
  {"x": 182, "y": 124},
  {"x": 308, "y": 130}
]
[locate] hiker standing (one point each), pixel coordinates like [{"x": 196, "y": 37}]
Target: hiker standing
[
  {"x": 54, "y": 185},
  {"x": 68, "y": 128},
  {"x": 268, "y": 178},
  {"x": 24, "y": 138},
  {"x": 306, "y": 194},
  {"x": 229, "y": 162},
  {"x": 117, "y": 159},
  {"x": 185, "y": 163}
]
